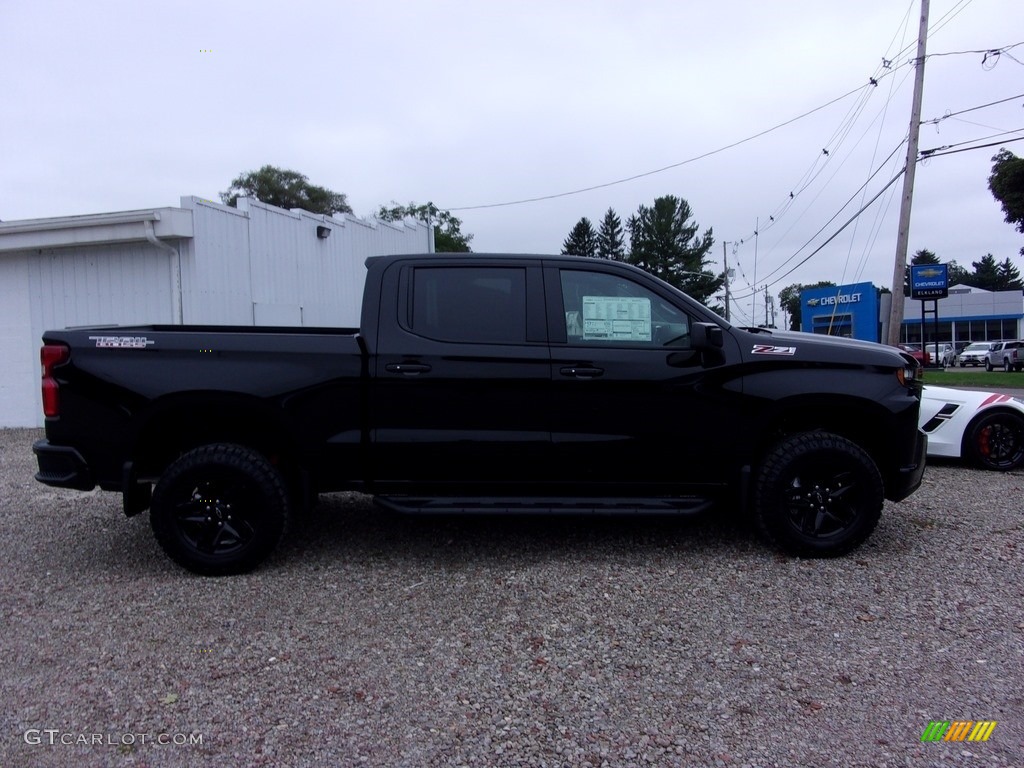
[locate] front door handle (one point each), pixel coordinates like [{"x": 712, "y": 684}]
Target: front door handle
[
  {"x": 581, "y": 372},
  {"x": 408, "y": 369}
]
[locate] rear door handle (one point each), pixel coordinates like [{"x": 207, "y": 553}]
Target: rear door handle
[
  {"x": 581, "y": 372},
  {"x": 409, "y": 369}
]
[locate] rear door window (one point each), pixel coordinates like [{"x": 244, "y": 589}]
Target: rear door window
[{"x": 469, "y": 304}]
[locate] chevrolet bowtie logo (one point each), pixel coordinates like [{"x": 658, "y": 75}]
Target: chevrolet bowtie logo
[{"x": 929, "y": 272}]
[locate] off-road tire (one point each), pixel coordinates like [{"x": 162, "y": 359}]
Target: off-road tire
[
  {"x": 817, "y": 495},
  {"x": 220, "y": 509}
]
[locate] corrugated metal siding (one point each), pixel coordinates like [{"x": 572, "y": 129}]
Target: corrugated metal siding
[
  {"x": 20, "y": 404},
  {"x": 278, "y": 262},
  {"x": 91, "y": 285},
  {"x": 255, "y": 264},
  {"x": 121, "y": 284},
  {"x": 215, "y": 276},
  {"x": 276, "y": 251}
]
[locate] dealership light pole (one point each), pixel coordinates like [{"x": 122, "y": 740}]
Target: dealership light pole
[{"x": 903, "y": 237}]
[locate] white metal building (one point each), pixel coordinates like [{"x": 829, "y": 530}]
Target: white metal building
[{"x": 202, "y": 263}]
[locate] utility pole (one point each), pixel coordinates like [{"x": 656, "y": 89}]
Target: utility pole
[
  {"x": 725, "y": 268},
  {"x": 903, "y": 237}
]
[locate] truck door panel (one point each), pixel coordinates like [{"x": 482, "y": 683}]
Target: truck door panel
[{"x": 460, "y": 374}]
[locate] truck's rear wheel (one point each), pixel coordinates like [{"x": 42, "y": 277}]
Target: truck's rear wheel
[
  {"x": 818, "y": 495},
  {"x": 220, "y": 509}
]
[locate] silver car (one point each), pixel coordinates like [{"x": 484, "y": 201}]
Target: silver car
[{"x": 974, "y": 354}]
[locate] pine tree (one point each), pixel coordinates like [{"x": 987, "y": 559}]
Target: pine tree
[
  {"x": 610, "y": 238},
  {"x": 1009, "y": 276},
  {"x": 582, "y": 240},
  {"x": 986, "y": 273},
  {"x": 663, "y": 240}
]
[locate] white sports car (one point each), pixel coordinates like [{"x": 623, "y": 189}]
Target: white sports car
[{"x": 985, "y": 428}]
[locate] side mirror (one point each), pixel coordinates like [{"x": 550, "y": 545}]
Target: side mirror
[{"x": 706, "y": 336}]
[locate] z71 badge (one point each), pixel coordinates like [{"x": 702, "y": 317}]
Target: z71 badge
[
  {"x": 122, "y": 342},
  {"x": 770, "y": 349}
]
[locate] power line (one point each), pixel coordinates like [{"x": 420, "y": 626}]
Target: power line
[
  {"x": 927, "y": 154},
  {"x": 937, "y": 120},
  {"x": 986, "y": 51},
  {"x": 887, "y": 65},
  {"x": 836, "y": 234},
  {"x": 980, "y": 146},
  {"x": 837, "y": 213},
  {"x": 662, "y": 169}
]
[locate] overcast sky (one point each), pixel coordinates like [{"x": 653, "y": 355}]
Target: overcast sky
[{"x": 109, "y": 106}]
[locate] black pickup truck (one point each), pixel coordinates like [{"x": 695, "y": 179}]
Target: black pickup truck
[{"x": 486, "y": 384}]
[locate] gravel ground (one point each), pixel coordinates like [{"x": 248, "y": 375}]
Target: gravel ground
[{"x": 381, "y": 640}]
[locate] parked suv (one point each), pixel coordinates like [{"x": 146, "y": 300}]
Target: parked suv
[
  {"x": 974, "y": 354},
  {"x": 941, "y": 353},
  {"x": 1008, "y": 355}
]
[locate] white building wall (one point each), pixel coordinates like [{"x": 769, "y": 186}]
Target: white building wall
[
  {"x": 19, "y": 381},
  {"x": 975, "y": 305},
  {"x": 253, "y": 265},
  {"x": 263, "y": 265},
  {"x": 215, "y": 273},
  {"x": 120, "y": 284}
]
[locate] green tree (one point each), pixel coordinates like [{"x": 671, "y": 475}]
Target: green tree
[
  {"x": 448, "y": 234},
  {"x": 789, "y": 300},
  {"x": 285, "y": 189},
  {"x": 663, "y": 240},
  {"x": 1009, "y": 276},
  {"x": 986, "y": 273},
  {"x": 582, "y": 240},
  {"x": 957, "y": 274},
  {"x": 1007, "y": 186},
  {"x": 611, "y": 238}
]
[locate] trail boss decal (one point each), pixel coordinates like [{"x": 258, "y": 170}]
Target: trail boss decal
[
  {"x": 122, "y": 342},
  {"x": 770, "y": 349}
]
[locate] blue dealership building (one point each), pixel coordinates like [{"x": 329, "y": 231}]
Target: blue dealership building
[{"x": 861, "y": 311}]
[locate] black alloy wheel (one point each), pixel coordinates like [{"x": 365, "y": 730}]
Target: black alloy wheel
[
  {"x": 219, "y": 509},
  {"x": 818, "y": 495},
  {"x": 996, "y": 441}
]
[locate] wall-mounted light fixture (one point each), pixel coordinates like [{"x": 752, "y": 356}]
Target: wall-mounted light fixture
[{"x": 323, "y": 232}]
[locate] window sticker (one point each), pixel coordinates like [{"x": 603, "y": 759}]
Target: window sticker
[
  {"x": 616, "y": 318},
  {"x": 769, "y": 349}
]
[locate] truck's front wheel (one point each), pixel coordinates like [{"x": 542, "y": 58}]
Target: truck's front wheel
[
  {"x": 219, "y": 509},
  {"x": 818, "y": 495}
]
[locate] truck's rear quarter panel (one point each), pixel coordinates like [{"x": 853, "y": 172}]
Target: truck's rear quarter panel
[{"x": 142, "y": 394}]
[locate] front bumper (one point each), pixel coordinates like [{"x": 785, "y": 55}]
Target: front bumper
[
  {"x": 62, "y": 466},
  {"x": 908, "y": 478}
]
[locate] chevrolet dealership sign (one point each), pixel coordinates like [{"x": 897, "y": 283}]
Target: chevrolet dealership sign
[
  {"x": 841, "y": 310},
  {"x": 929, "y": 281}
]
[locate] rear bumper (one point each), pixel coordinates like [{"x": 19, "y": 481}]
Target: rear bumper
[
  {"x": 907, "y": 478},
  {"x": 62, "y": 466}
]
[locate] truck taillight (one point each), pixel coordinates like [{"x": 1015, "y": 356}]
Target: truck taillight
[{"x": 52, "y": 355}]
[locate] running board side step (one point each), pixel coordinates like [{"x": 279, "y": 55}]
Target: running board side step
[{"x": 514, "y": 505}]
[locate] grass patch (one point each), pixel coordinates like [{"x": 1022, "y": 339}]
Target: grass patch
[{"x": 975, "y": 378}]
